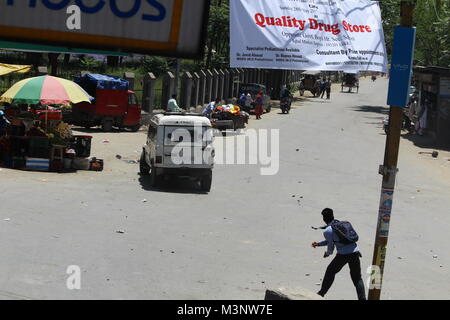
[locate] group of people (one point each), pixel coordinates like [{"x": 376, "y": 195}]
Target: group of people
[
  {"x": 323, "y": 86},
  {"x": 246, "y": 100}
]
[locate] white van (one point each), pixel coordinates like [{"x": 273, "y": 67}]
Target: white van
[{"x": 179, "y": 144}]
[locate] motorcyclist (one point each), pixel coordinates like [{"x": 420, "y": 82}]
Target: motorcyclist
[
  {"x": 285, "y": 96},
  {"x": 4, "y": 122},
  {"x": 286, "y": 93}
]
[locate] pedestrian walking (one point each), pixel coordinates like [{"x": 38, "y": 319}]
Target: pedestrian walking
[
  {"x": 242, "y": 99},
  {"x": 259, "y": 101},
  {"x": 248, "y": 102},
  {"x": 328, "y": 88},
  {"x": 342, "y": 235},
  {"x": 323, "y": 87}
]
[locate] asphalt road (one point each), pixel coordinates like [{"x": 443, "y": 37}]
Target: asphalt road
[{"x": 251, "y": 232}]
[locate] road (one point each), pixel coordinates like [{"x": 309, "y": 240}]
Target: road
[{"x": 251, "y": 232}]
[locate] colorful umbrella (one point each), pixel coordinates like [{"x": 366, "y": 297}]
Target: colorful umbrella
[{"x": 45, "y": 90}]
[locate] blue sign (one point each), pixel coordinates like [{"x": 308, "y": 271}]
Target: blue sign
[{"x": 401, "y": 66}]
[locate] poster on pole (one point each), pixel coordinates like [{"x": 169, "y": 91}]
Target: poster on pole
[{"x": 331, "y": 35}]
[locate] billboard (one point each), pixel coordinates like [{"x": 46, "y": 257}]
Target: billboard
[
  {"x": 307, "y": 35},
  {"x": 164, "y": 27}
]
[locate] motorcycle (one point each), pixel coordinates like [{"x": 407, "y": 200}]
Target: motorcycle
[
  {"x": 374, "y": 78},
  {"x": 285, "y": 105},
  {"x": 407, "y": 124}
]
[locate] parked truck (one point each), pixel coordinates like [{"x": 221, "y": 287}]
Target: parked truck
[{"x": 114, "y": 105}]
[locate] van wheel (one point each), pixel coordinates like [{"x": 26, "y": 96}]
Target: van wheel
[
  {"x": 107, "y": 125},
  {"x": 144, "y": 169},
  {"x": 205, "y": 182},
  {"x": 154, "y": 178}
]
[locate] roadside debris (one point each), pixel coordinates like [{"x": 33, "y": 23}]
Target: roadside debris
[{"x": 434, "y": 154}]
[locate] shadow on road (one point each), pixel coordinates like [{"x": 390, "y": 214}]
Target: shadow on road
[
  {"x": 372, "y": 109},
  {"x": 99, "y": 130},
  {"x": 425, "y": 141},
  {"x": 172, "y": 185}
]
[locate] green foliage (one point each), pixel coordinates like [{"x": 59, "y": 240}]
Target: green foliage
[
  {"x": 89, "y": 63},
  {"x": 218, "y": 40},
  {"x": 432, "y": 20},
  {"x": 390, "y": 15},
  {"x": 156, "y": 65}
]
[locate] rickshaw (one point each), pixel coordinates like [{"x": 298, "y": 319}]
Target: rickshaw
[
  {"x": 310, "y": 83},
  {"x": 350, "y": 80}
]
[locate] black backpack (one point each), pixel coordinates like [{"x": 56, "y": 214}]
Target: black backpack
[{"x": 344, "y": 231}]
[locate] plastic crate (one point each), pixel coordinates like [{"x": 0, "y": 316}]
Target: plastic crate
[{"x": 37, "y": 164}]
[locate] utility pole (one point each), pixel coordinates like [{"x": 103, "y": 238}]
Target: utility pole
[{"x": 389, "y": 171}]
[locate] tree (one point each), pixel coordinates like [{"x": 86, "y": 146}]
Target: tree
[
  {"x": 218, "y": 40},
  {"x": 433, "y": 26},
  {"x": 432, "y": 20},
  {"x": 156, "y": 65},
  {"x": 390, "y": 15}
]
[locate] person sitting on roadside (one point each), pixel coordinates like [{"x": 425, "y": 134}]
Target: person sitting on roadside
[{"x": 172, "y": 105}]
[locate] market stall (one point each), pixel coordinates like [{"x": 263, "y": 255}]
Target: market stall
[{"x": 36, "y": 138}]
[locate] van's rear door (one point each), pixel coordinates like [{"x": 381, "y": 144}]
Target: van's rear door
[{"x": 183, "y": 146}]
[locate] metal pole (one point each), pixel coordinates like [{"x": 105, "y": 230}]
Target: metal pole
[{"x": 389, "y": 171}]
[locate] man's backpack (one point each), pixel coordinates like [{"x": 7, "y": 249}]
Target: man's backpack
[{"x": 344, "y": 231}]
